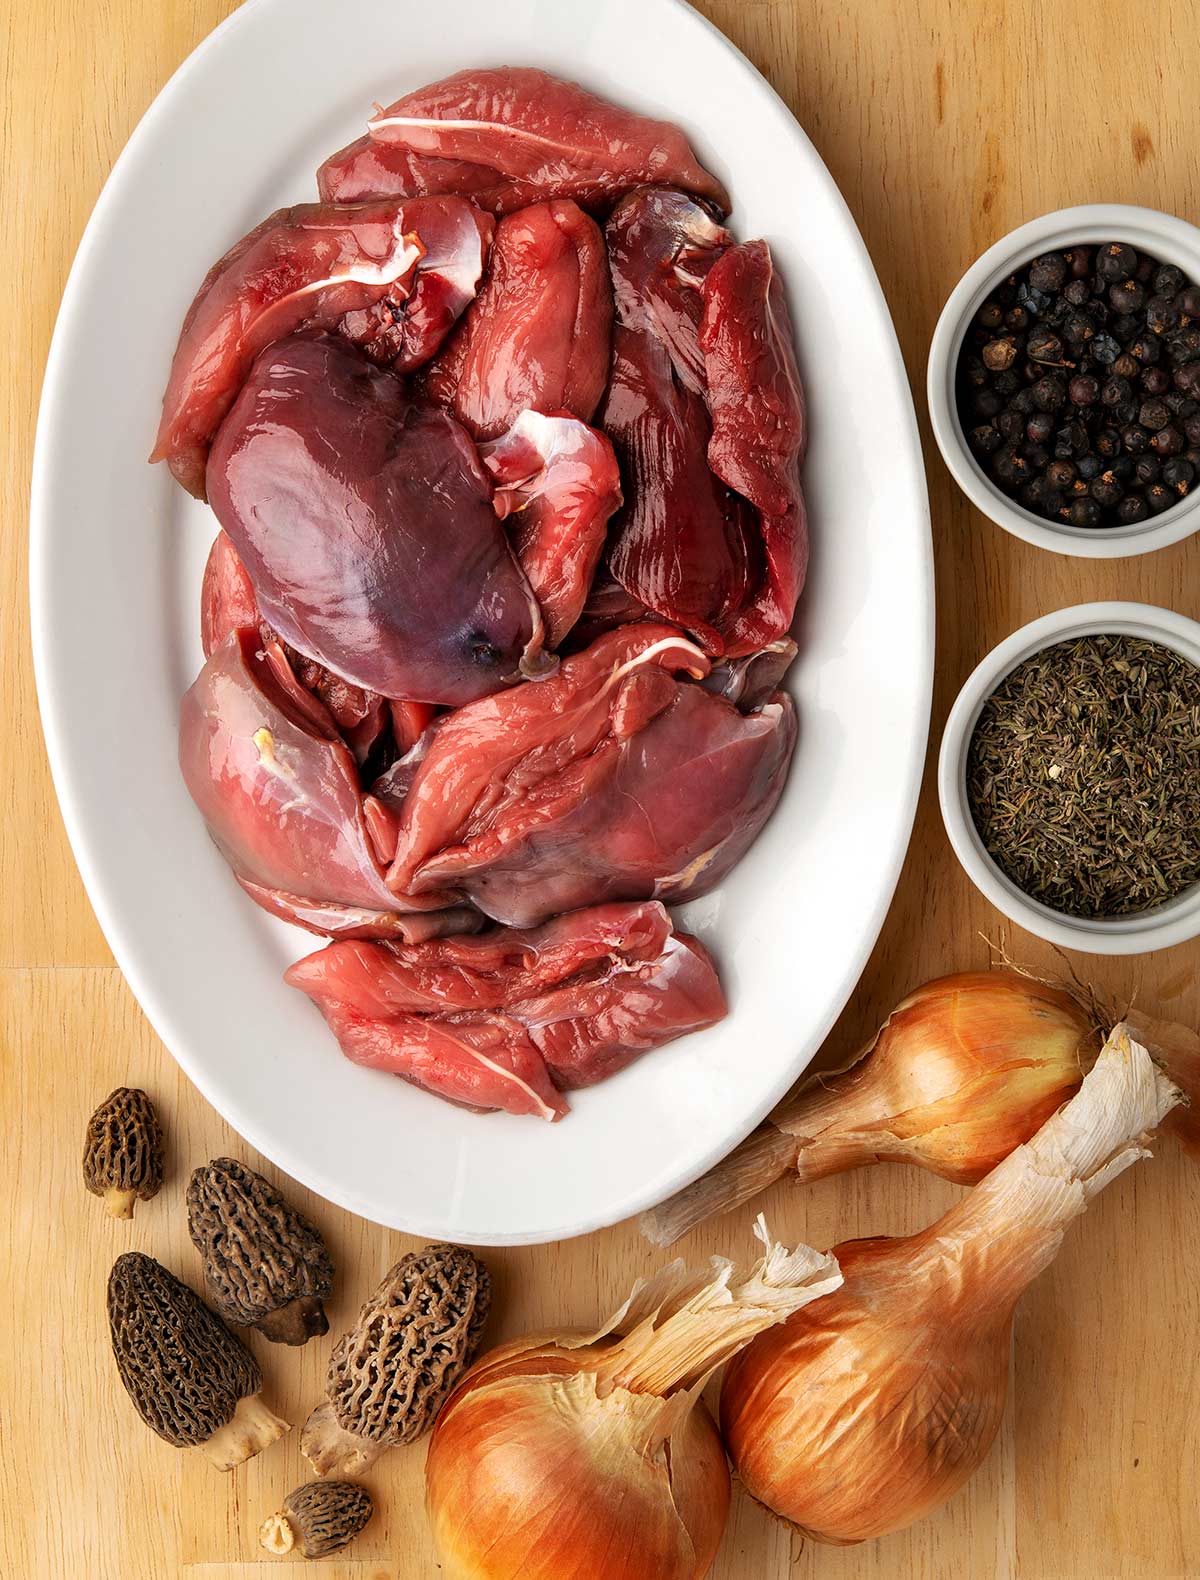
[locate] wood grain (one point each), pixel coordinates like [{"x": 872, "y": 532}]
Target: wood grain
[{"x": 945, "y": 122}]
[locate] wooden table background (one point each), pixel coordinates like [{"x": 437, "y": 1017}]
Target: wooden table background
[{"x": 945, "y": 123}]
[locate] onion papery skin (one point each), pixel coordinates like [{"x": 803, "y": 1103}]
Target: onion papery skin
[
  {"x": 532, "y": 1476},
  {"x": 849, "y": 1424}
]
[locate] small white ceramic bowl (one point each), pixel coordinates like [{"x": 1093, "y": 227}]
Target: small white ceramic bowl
[
  {"x": 1163, "y": 236},
  {"x": 1172, "y": 923}
]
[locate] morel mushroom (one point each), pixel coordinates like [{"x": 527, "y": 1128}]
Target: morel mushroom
[
  {"x": 265, "y": 1266},
  {"x": 390, "y": 1375},
  {"x": 191, "y": 1381},
  {"x": 323, "y": 1516},
  {"x": 123, "y": 1153}
]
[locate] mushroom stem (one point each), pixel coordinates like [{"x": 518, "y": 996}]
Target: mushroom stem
[
  {"x": 331, "y": 1450},
  {"x": 120, "y": 1202},
  {"x": 251, "y": 1428},
  {"x": 276, "y": 1536},
  {"x": 300, "y": 1320}
]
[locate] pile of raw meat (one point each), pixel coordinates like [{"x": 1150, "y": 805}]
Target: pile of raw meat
[{"x": 504, "y": 438}]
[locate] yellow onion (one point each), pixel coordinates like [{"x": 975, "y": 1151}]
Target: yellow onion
[
  {"x": 960, "y": 1073},
  {"x": 866, "y": 1411},
  {"x": 568, "y": 1456}
]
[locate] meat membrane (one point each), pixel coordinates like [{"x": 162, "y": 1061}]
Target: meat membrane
[
  {"x": 279, "y": 791},
  {"x": 365, "y": 522},
  {"x": 537, "y": 335},
  {"x": 556, "y": 484},
  {"x": 312, "y": 266},
  {"x": 613, "y": 780},
  {"x": 508, "y": 1018},
  {"x": 366, "y": 169},
  {"x": 683, "y": 545},
  {"x": 550, "y": 136},
  {"x": 661, "y": 245}
]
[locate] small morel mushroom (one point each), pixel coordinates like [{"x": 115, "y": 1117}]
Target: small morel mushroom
[
  {"x": 322, "y": 1516},
  {"x": 390, "y": 1375},
  {"x": 265, "y": 1266},
  {"x": 123, "y": 1153},
  {"x": 191, "y": 1381}
]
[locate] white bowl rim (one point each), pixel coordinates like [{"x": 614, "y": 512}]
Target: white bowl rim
[
  {"x": 1172, "y": 923},
  {"x": 1166, "y": 236}
]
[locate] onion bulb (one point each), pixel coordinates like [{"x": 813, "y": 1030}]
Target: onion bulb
[
  {"x": 568, "y": 1456},
  {"x": 961, "y": 1072},
  {"x": 869, "y": 1410}
]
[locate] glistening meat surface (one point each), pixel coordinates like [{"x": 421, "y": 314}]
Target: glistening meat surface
[
  {"x": 551, "y": 135},
  {"x": 537, "y": 335},
  {"x": 507, "y": 1018},
  {"x": 366, "y": 525},
  {"x": 312, "y": 266},
  {"x": 613, "y": 780},
  {"x": 279, "y": 791}
]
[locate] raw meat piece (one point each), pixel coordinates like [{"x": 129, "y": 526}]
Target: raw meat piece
[
  {"x": 683, "y": 545},
  {"x": 614, "y": 780},
  {"x": 661, "y": 245},
  {"x": 278, "y": 789},
  {"x": 513, "y": 756},
  {"x": 556, "y": 483},
  {"x": 493, "y": 1020},
  {"x": 311, "y": 265},
  {"x": 537, "y": 128},
  {"x": 608, "y": 605},
  {"x": 537, "y": 335},
  {"x": 410, "y": 720},
  {"x": 365, "y": 522},
  {"x": 227, "y": 603},
  {"x": 759, "y": 430},
  {"x": 754, "y": 390},
  {"x": 346, "y": 921},
  {"x": 365, "y": 169},
  {"x": 749, "y": 682}
]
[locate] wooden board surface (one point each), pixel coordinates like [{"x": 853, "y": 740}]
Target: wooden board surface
[{"x": 945, "y": 122}]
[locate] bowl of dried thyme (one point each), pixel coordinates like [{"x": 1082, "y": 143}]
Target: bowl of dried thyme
[{"x": 1069, "y": 777}]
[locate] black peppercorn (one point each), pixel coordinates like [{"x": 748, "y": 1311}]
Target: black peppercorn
[
  {"x": 1040, "y": 427},
  {"x": 1134, "y": 438},
  {"x": 1168, "y": 441},
  {"x": 1187, "y": 379},
  {"x": 1089, "y": 466},
  {"x": 1016, "y": 318},
  {"x": 1128, "y": 297},
  {"x": 1146, "y": 348},
  {"x": 999, "y": 354},
  {"x": 1080, "y": 261},
  {"x": 1076, "y": 292},
  {"x": 1126, "y": 366},
  {"x": 1106, "y": 490},
  {"x": 1189, "y": 301},
  {"x": 1121, "y": 467},
  {"x": 1084, "y": 513},
  {"x": 990, "y": 315},
  {"x": 1011, "y": 424},
  {"x": 1115, "y": 390},
  {"x": 1077, "y": 329},
  {"x": 1022, "y": 401},
  {"x": 1161, "y": 315},
  {"x": 985, "y": 439},
  {"x": 1108, "y": 442},
  {"x": 1154, "y": 414},
  {"x": 1083, "y": 389},
  {"x": 1048, "y": 272},
  {"x": 1105, "y": 350},
  {"x": 1044, "y": 345},
  {"x": 1132, "y": 509},
  {"x": 1049, "y": 392},
  {"x": 1156, "y": 381},
  {"x": 1168, "y": 280},
  {"x": 1191, "y": 427},
  {"x": 1159, "y": 497},
  {"x": 1179, "y": 474},
  {"x": 1147, "y": 469},
  {"x": 1116, "y": 261}
]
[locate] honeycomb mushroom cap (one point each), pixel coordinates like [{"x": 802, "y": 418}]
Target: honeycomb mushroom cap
[
  {"x": 260, "y": 1255},
  {"x": 324, "y": 1516},
  {"x": 181, "y": 1366},
  {"x": 123, "y": 1152},
  {"x": 415, "y": 1337}
]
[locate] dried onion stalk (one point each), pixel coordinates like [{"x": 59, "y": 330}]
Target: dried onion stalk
[
  {"x": 569, "y": 1455},
  {"x": 961, "y": 1072},
  {"x": 864, "y": 1414}
]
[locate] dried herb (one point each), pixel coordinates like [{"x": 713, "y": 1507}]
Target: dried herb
[{"x": 1083, "y": 775}]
